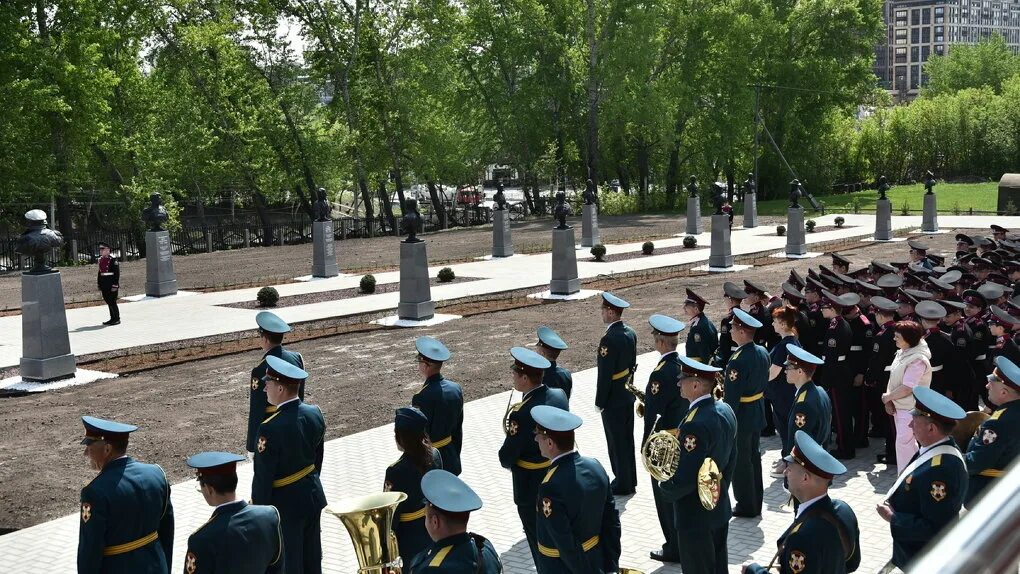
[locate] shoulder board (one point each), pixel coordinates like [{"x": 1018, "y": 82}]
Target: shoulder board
[
  {"x": 549, "y": 474},
  {"x": 796, "y": 527},
  {"x": 690, "y": 415},
  {"x": 437, "y": 560},
  {"x": 996, "y": 415},
  {"x": 659, "y": 366},
  {"x": 801, "y": 396},
  {"x": 936, "y": 460},
  {"x": 274, "y": 415}
]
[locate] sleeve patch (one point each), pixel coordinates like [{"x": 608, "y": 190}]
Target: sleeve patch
[
  {"x": 263, "y": 443},
  {"x": 690, "y": 442},
  {"x": 800, "y": 419},
  {"x": 86, "y": 512},
  {"x": 603, "y": 351},
  {"x": 190, "y": 563},
  {"x": 938, "y": 490},
  {"x": 547, "y": 507},
  {"x": 988, "y": 436},
  {"x": 798, "y": 561}
]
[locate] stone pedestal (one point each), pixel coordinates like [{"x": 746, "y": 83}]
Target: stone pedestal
[
  {"x": 45, "y": 345},
  {"x": 1009, "y": 192},
  {"x": 589, "y": 225},
  {"x": 721, "y": 255},
  {"x": 160, "y": 279},
  {"x": 795, "y": 234},
  {"x": 416, "y": 302},
  {"x": 750, "y": 210},
  {"x": 930, "y": 217},
  {"x": 693, "y": 216},
  {"x": 323, "y": 250},
  {"x": 502, "y": 242},
  {"x": 883, "y": 220},
  {"x": 564, "y": 263}
]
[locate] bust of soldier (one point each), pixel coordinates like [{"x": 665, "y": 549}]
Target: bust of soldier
[
  {"x": 562, "y": 210},
  {"x": 692, "y": 187},
  {"x": 929, "y": 183},
  {"x": 718, "y": 197},
  {"x": 749, "y": 186},
  {"x": 499, "y": 198},
  {"x": 37, "y": 241},
  {"x": 411, "y": 221},
  {"x": 322, "y": 209},
  {"x": 590, "y": 195},
  {"x": 883, "y": 187},
  {"x": 155, "y": 214},
  {"x": 795, "y": 194}
]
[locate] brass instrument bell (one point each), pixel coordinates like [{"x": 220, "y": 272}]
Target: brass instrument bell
[{"x": 368, "y": 520}]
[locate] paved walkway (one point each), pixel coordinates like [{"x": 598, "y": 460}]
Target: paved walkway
[
  {"x": 155, "y": 321},
  {"x": 355, "y": 465}
]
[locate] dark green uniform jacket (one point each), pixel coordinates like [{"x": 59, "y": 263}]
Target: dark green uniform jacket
[
  {"x": 702, "y": 339},
  {"x": 458, "y": 554},
  {"x": 617, "y": 357},
  {"x": 239, "y": 538},
  {"x": 556, "y": 377},
  {"x": 815, "y": 542},
  {"x": 745, "y": 377},
  {"x": 409, "y": 520},
  {"x": 726, "y": 346},
  {"x": 578, "y": 524},
  {"x": 662, "y": 396},
  {"x": 258, "y": 405},
  {"x": 442, "y": 401},
  {"x": 127, "y": 521},
  {"x": 520, "y": 452},
  {"x": 993, "y": 448},
  {"x": 811, "y": 413}
]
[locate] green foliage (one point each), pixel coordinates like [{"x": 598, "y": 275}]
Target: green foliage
[
  {"x": 780, "y": 230},
  {"x": 647, "y": 247},
  {"x": 598, "y": 251},
  {"x": 809, "y": 225},
  {"x": 267, "y": 297},
  {"x": 367, "y": 284},
  {"x": 690, "y": 242},
  {"x": 446, "y": 275},
  {"x": 987, "y": 64},
  {"x": 905, "y": 208},
  {"x": 839, "y": 221},
  {"x": 956, "y": 209},
  {"x": 854, "y": 205}
]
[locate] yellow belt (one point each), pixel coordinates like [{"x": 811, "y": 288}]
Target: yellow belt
[
  {"x": 291, "y": 479},
  {"x": 271, "y": 409},
  {"x": 129, "y": 546},
  {"x": 533, "y": 465},
  {"x": 991, "y": 473},
  {"x": 752, "y": 398},
  {"x": 442, "y": 442},
  {"x": 621, "y": 374},
  {"x": 554, "y": 553},
  {"x": 412, "y": 516}
]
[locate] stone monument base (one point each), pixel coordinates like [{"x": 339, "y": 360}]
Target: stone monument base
[
  {"x": 416, "y": 302},
  {"x": 502, "y": 241},
  {"x": 323, "y": 250},
  {"x": 564, "y": 263},
  {"x": 930, "y": 217},
  {"x": 721, "y": 255},
  {"x": 693, "y": 216},
  {"x": 883, "y": 220},
  {"x": 750, "y": 210},
  {"x": 160, "y": 279},
  {"x": 796, "y": 244},
  {"x": 590, "y": 226},
  {"x": 45, "y": 345}
]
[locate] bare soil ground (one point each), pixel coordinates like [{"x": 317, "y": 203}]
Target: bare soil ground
[{"x": 202, "y": 404}]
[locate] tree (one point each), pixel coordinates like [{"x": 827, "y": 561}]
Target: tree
[{"x": 989, "y": 63}]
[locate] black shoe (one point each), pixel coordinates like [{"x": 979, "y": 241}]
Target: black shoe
[
  {"x": 741, "y": 513},
  {"x": 662, "y": 557},
  {"x": 113, "y": 322},
  {"x": 622, "y": 492},
  {"x": 883, "y": 459},
  {"x": 843, "y": 455},
  {"x": 768, "y": 432}
]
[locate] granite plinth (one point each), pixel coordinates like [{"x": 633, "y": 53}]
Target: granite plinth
[
  {"x": 883, "y": 220},
  {"x": 796, "y": 244},
  {"x": 502, "y": 241},
  {"x": 323, "y": 250},
  {"x": 564, "y": 263},
  {"x": 416, "y": 302},
  {"x": 693, "y": 216},
  {"x": 160, "y": 279},
  {"x": 721, "y": 254},
  {"x": 589, "y": 226},
  {"x": 45, "y": 346},
  {"x": 930, "y": 216},
  {"x": 750, "y": 210}
]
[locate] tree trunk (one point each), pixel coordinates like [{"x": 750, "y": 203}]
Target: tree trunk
[
  {"x": 593, "y": 94},
  {"x": 263, "y": 215},
  {"x": 642, "y": 164},
  {"x": 398, "y": 179},
  {"x": 438, "y": 207},
  {"x": 387, "y": 207},
  {"x": 529, "y": 198}
]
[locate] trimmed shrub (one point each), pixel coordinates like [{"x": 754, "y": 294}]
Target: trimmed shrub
[
  {"x": 368, "y": 284},
  {"x": 690, "y": 241},
  {"x": 839, "y": 221},
  {"x": 268, "y": 297},
  {"x": 647, "y": 248},
  {"x": 446, "y": 275},
  {"x": 598, "y": 251},
  {"x": 810, "y": 225},
  {"x": 780, "y": 230}
]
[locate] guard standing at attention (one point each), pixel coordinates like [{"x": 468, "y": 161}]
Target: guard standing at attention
[
  {"x": 703, "y": 337},
  {"x": 417, "y": 458},
  {"x": 550, "y": 345},
  {"x": 734, "y": 295},
  {"x": 837, "y": 376},
  {"x": 127, "y": 521},
  {"x": 707, "y": 432},
  {"x": 239, "y": 538},
  {"x": 519, "y": 452},
  {"x": 617, "y": 360},
  {"x": 108, "y": 281},
  {"x": 877, "y": 377},
  {"x": 744, "y": 380},
  {"x": 664, "y": 409},
  {"x": 448, "y": 506},
  {"x": 811, "y": 411},
  {"x": 442, "y": 401},
  {"x": 271, "y": 332},
  {"x": 288, "y": 460},
  {"x": 996, "y": 443},
  {"x": 824, "y": 537},
  {"x": 578, "y": 524},
  {"x": 861, "y": 335}
]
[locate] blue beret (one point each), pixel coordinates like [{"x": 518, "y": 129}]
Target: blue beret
[
  {"x": 432, "y": 349},
  {"x": 1008, "y": 371},
  {"x": 666, "y": 325},
  {"x": 934, "y": 404},
  {"x": 411, "y": 419},
  {"x": 551, "y": 339},
  {"x": 809, "y": 454},
  {"x": 215, "y": 462},
  {"x": 610, "y": 299},
  {"x": 743, "y": 317},
  {"x": 270, "y": 323},
  {"x": 692, "y": 368},
  {"x": 529, "y": 358},
  {"x": 101, "y": 429},
  {"x": 800, "y": 355},
  {"x": 284, "y": 371},
  {"x": 555, "y": 419},
  {"x": 447, "y": 492}
]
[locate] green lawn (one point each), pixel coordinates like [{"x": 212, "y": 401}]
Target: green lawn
[{"x": 951, "y": 197}]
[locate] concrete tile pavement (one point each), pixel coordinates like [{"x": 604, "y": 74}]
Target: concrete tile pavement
[{"x": 355, "y": 465}]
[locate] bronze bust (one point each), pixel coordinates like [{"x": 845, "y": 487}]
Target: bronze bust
[{"x": 37, "y": 241}]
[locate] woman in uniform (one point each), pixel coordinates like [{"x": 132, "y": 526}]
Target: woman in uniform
[{"x": 405, "y": 476}]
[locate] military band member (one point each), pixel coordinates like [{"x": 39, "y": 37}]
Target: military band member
[
  {"x": 744, "y": 380},
  {"x": 877, "y": 377},
  {"x": 417, "y": 458},
  {"x": 448, "y": 506},
  {"x": 664, "y": 408},
  {"x": 127, "y": 521},
  {"x": 550, "y": 345},
  {"x": 271, "y": 332},
  {"x": 995, "y": 446},
  {"x": 824, "y": 537},
  {"x": 811, "y": 411},
  {"x": 708, "y": 431},
  {"x": 703, "y": 337},
  {"x": 930, "y": 492},
  {"x": 519, "y": 452},
  {"x": 442, "y": 401},
  {"x": 734, "y": 296},
  {"x": 617, "y": 360},
  {"x": 239, "y": 538},
  {"x": 837, "y": 377},
  {"x": 288, "y": 460},
  {"x": 108, "y": 281},
  {"x": 578, "y": 524}
]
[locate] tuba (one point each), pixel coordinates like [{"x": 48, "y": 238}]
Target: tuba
[
  {"x": 368, "y": 520},
  {"x": 660, "y": 455}
]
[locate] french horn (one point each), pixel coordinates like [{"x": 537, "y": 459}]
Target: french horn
[
  {"x": 709, "y": 484},
  {"x": 660, "y": 455},
  {"x": 368, "y": 520}
]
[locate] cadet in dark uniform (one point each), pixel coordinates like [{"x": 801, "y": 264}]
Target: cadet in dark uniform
[
  {"x": 127, "y": 521},
  {"x": 578, "y": 524},
  {"x": 877, "y": 378},
  {"x": 919, "y": 253},
  {"x": 824, "y": 537},
  {"x": 442, "y": 401},
  {"x": 271, "y": 332},
  {"x": 795, "y": 298},
  {"x": 1001, "y": 325},
  {"x": 734, "y": 295},
  {"x": 703, "y": 337},
  {"x": 930, "y": 493},
  {"x": 840, "y": 264},
  {"x": 862, "y": 332},
  {"x": 961, "y": 389},
  {"x": 617, "y": 359},
  {"x": 761, "y": 309},
  {"x": 811, "y": 411},
  {"x": 974, "y": 308},
  {"x": 837, "y": 377},
  {"x": 664, "y": 408},
  {"x": 418, "y": 458},
  {"x": 744, "y": 380},
  {"x": 995, "y": 445},
  {"x": 708, "y": 431},
  {"x": 814, "y": 339},
  {"x": 108, "y": 281},
  {"x": 550, "y": 345},
  {"x": 239, "y": 538},
  {"x": 519, "y": 452},
  {"x": 448, "y": 506},
  {"x": 288, "y": 460}
]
